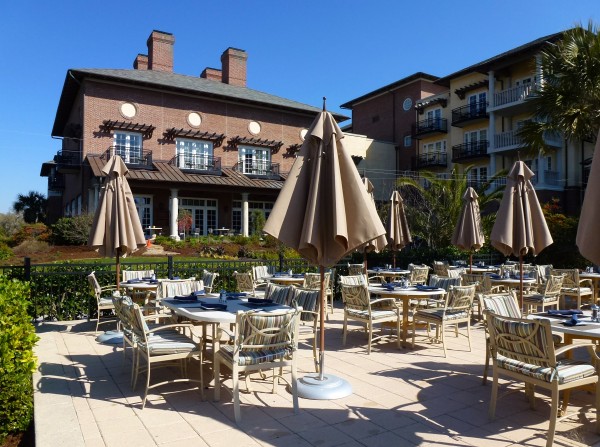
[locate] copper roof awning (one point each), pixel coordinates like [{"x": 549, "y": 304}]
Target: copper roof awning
[
  {"x": 145, "y": 129},
  {"x": 274, "y": 145},
  {"x": 216, "y": 138}
]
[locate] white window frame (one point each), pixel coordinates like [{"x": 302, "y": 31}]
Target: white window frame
[
  {"x": 194, "y": 154},
  {"x": 202, "y": 210},
  {"x": 254, "y": 160},
  {"x": 143, "y": 203},
  {"x": 127, "y": 149}
]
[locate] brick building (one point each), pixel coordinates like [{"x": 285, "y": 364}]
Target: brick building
[{"x": 206, "y": 144}]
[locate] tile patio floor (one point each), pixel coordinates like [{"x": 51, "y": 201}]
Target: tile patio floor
[{"x": 401, "y": 398}]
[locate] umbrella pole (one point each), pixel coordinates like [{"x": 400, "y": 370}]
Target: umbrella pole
[
  {"x": 118, "y": 267},
  {"x": 322, "y": 322},
  {"x": 365, "y": 261},
  {"x": 470, "y": 262},
  {"x": 521, "y": 278},
  {"x": 394, "y": 258}
]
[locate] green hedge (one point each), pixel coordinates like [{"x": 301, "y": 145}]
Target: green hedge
[{"x": 17, "y": 362}]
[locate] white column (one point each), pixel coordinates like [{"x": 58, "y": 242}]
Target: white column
[
  {"x": 174, "y": 214},
  {"x": 245, "y": 217}
]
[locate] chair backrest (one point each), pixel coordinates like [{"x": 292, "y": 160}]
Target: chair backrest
[
  {"x": 542, "y": 273},
  {"x": 120, "y": 301},
  {"x": 279, "y": 294},
  {"x": 523, "y": 340},
  {"x": 353, "y": 279},
  {"x": 126, "y": 275},
  {"x": 356, "y": 269},
  {"x": 244, "y": 281},
  {"x": 570, "y": 277},
  {"x": 444, "y": 282},
  {"x": 95, "y": 286},
  {"x": 461, "y": 297},
  {"x": 260, "y": 272},
  {"x": 174, "y": 287},
  {"x": 356, "y": 297},
  {"x": 440, "y": 268},
  {"x": 553, "y": 285},
  {"x": 456, "y": 272},
  {"x": 266, "y": 330},
  {"x": 313, "y": 280},
  {"x": 307, "y": 299},
  {"x": 504, "y": 304},
  {"x": 419, "y": 274},
  {"x": 483, "y": 281},
  {"x": 209, "y": 279}
]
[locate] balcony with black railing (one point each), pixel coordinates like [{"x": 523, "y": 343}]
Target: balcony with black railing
[
  {"x": 56, "y": 183},
  {"x": 469, "y": 114},
  {"x": 469, "y": 151},
  {"x": 432, "y": 160},
  {"x": 430, "y": 126},
  {"x": 258, "y": 169},
  {"x": 198, "y": 163},
  {"x": 68, "y": 160},
  {"x": 134, "y": 158}
]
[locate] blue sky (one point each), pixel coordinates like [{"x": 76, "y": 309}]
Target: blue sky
[{"x": 301, "y": 50}]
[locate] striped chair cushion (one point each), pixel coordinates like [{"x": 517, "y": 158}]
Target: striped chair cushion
[
  {"x": 255, "y": 357},
  {"x": 538, "y": 298},
  {"x": 455, "y": 273},
  {"x": 444, "y": 282},
  {"x": 307, "y": 300},
  {"x": 505, "y": 305},
  {"x": 437, "y": 314},
  {"x": 168, "y": 342},
  {"x": 279, "y": 294},
  {"x": 375, "y": 314},
  {"x": 566, "y": 371},
  {"x": 536, "y": 336},
  {"x": 261, "y": 322}
]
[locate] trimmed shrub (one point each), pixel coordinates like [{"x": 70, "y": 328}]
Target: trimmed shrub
[
  {"x": 38, "y": 231},
  {"x": 17, "y": 362},
  {"x": 72, "y": 230},
  {"x": 5, "y": 252}
]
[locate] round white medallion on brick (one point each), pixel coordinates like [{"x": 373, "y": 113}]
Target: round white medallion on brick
[
  {"x": 194, "y": 119},
  {"x": 407, "y": 104},
  {"x": 254, "y": 127},
  {"x": 303, "y": 133},
  {"x": 128, "y": 110}
]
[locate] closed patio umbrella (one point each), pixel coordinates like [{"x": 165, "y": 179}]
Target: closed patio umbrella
[
  {"x": 587, "y": 232},
  {"x": 520, "y": 226},
  {"x": 116, "y": 230},
  {"x": 324, "y": 212},
  {"x": 397, "y": 229},
  {"x": 378, "y": 244},
  {"x": 468, "y": 234}
]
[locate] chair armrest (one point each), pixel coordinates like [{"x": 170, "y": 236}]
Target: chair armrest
[
  {"x": 586, "y": 281},
  {"x": 375, "y": 277},
  {"x": 227, "y": 332},
  {"x": 108, "y": 288},
  {"x": 172, "y": 326},
  {"x": 591, "y": 347},
  {"x": 390, "y": 300}
]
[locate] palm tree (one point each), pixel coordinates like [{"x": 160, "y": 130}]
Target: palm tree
[
  {"x": 33, "y": 206},
  {"x": 568, "y": 99},
  {"x": 433, "y": 204}
]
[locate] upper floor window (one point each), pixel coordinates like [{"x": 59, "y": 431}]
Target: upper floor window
[
  {"x": 436, "y": 146},
  {"x": 194, "y": 154},
  {"x": 434, "y": 116},
  {"x": 129, "y": 146},
  {"x": 254, "y": 160}
]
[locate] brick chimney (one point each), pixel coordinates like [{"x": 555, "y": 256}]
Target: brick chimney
[
  {"x": 213, "y": 74},
  {"x": 160, "y": 51},
  {"x": 141, "y": 62},
  {"x": 233, "y": 62}
]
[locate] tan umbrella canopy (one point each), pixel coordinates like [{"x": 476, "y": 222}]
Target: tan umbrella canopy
[
  {"x": 116, "y": 230},
  {"x": 468, "y": 234},
  {"x": 397, "y": 228},
  {"x": 378, "y": 244},
  {"x": 520, "y": 226},
  {"x": 587, "y": 232},
  {"x": 324, "y": 212}
]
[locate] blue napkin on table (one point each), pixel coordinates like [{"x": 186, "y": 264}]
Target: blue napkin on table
[
  {"x": 213, "y": 306},
  {"x": 574, "y": 321},
  {"x": 422, "y": 287},
  {"x": 298, "y": 275},
  {"x": 259, "y": 300},
  {"x": 134, "y": 281},
  {"x": 199, "y": 293},
  {"x": 186, "y": 297},
  {"x": 564, "y": 312},
  {"x": 495, "y": 276},
  {"x": 153, "y": 281},
  {"x": 234, "y": 295},
  {"x": 389, "y": 286}
]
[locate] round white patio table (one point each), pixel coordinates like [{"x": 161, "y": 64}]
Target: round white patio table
[
  {"x": 388, "y": 274},
  {"x": 405, "y": 295},
  {"x": 286, "y": 280}
]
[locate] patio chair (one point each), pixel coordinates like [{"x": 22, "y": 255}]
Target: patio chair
[
  {"x": 419, "y": 275},
  {"x": 260, "y": 275},
  {"x": 174, "y": 287},
  {"x": 245, "y": 283},
  {"x": 356, "y": 269},
  {"x": 483, "y": 285},
  {"x": 163, "y": 344},
  {"x": 574, "y": 287},
  {"x": 523, "y": 350},
  {"x": 542, "y": 272},
  {"x": 353, "y": 280},
  {"x": 308, "y": 327},
  {"x": 457, "y": 309},
  {"x": 103, "y": 296},
  {"x": 138, "y": 295},
  {"x": 262, "y": 341},
  {"x": 209, "y": 279},
  {"x": 547, "y": 295},
  {"x": 279, "y": 294},
  {"x": 126, "y": 275},
  {"x": 358, "y": 306},
  {"x": 440, "y": 268}
]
